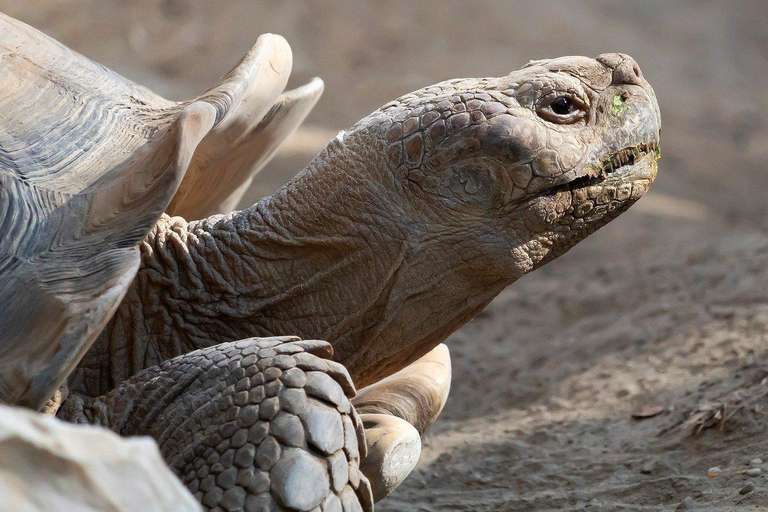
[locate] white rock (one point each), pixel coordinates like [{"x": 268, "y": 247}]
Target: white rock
[{"x": 47, "y": 464}]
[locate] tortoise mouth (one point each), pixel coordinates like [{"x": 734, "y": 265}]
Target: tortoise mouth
[{"x": 631, "y": 163}]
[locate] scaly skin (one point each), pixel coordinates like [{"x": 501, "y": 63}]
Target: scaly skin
[
  {"x": 256, "y": 424},
  {"x": 401, "y": 230},
  {"x": 396, "y": 234}
]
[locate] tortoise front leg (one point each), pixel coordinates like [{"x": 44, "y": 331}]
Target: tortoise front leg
[
  {"x": 257, "y": 424},
  {"x": 267, "y": 423}
]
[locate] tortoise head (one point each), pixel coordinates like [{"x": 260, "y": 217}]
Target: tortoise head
[{"x": 520, "y": 168}]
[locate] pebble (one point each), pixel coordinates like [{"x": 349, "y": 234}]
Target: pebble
[
  {"x": 756, "y": 462},
  {"x": 687, "y": 504},
  {"x": 754, "y": 472},
  {"x": 714, "y": 471},
  {"x": 747, "y": 488}
]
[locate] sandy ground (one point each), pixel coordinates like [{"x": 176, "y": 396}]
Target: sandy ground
[{"x": 664, "y": 309}]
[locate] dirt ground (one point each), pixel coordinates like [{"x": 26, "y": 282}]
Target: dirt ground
[{"x": 663, "y": 310}]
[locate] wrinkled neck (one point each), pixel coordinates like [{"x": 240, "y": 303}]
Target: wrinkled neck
[
  {"x": 335, "y": 255},
  {"x": 318, "y": 259}
]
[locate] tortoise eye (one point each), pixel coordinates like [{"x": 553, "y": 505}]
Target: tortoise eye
[
  {"x": 562, "y": 106},
  {"x": 564, "y": 109}
]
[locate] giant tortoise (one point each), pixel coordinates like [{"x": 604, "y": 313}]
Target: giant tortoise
[{"x": 133, "y": 297}]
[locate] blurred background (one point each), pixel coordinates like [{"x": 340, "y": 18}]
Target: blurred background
[
  {"x": 623, "y": 319},
  {"x": 706, "y": 59}
]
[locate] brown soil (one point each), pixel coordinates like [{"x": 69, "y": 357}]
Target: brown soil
[{"x": 665, "y": 307}]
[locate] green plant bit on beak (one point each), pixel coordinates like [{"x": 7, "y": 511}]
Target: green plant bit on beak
[{"x": 619, "y": 105}]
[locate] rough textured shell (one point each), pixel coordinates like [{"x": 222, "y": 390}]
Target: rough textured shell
[{"x": 88, "y": 162}]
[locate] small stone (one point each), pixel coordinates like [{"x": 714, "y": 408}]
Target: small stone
[
  {"x": 747, "y": 488},
  {"x": 647, "y": 467},
  {"x": 714, "y": 471},
  {"x": 648, "y": 412},
  {"x": 756, "y": 462},
  {"x": 754, "y": 472},
  {"x": 687, "y": 504}
]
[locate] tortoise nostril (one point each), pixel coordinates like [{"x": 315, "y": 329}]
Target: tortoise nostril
[
  {"x": 628, "y": 73},
  {"x": 624, "y": 68}
]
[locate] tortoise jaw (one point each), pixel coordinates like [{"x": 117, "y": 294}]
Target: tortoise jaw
[
  {"x": 628, "y": 164},
  {"x": 627, "y": 157}
]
